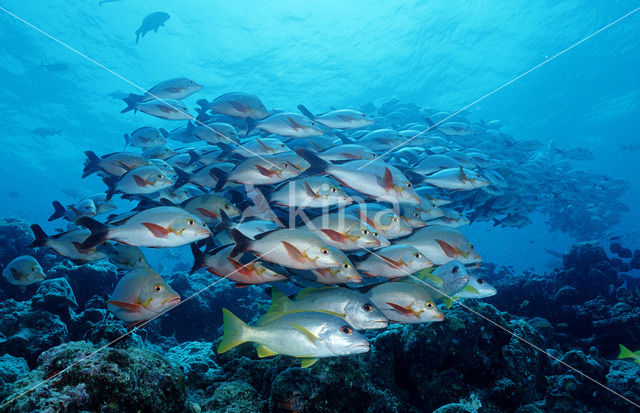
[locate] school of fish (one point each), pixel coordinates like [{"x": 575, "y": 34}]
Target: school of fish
[{"x": 359, "y": 211}]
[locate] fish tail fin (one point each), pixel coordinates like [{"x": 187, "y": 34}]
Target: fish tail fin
[
  {"x": 91, "y": 164},
  {"x": 135, "y": 98},
  {"x": 127, "y": 138},
  {"x": 138, "y": 32},
  {"x": 496, "y": 222},
  {"x": 132, "y": 104},
  {"x": 318, "y": 165},
  {"x": 163, "y": 132},
  {"x": 344, "y": 138},
  {"x": 225, "y": 223},
  {"x": 221, "y": 176},
  {"x": 306, "y": 112},
  {"x": 243, "y": 242},
  {"x": 203, "y": 103},
  {"x": 59, "y": 211},
  {"x": 429, "y": 122},
  {"x": 198, "y": 258},
  {"x": 183, "y": 177},
  {"x": 111, "y": 182},
  {"x": 193, "y": 157},
  {"x": 40, "y": 236},
  {"x": 251, "y": 125},
  {"x": 279, "y": 302},
  {"x": 226, "y": 149},
  {"x": 234, "y": 332},
  {"x": 99, "y": 232},
  {"x": 625, "y": 353},
  {"x": 414, "y": 177}
]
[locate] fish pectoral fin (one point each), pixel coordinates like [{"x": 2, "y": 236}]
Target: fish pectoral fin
[
  {"x": 208, "y": 214},
  {"x": 308, "y": 362},
  {"x": 246, "y": 269},
  {"x": 334, "y": 235},
  {"x": 387, "y": 180},
  {"x": 157, "y": 230},
  {"x": 308, "y": 334},
  {"x": 264, "y": 351},
  {"x": 451, "y": 252},
  {"x": 402, "y": 310},
  {"x": 471, "y": 289},
  {"x": 264, "y": 171},
  {"x": 310, "y": 191},
  {"x": 294, "y": 253},
  {"x": 365, "y": 218},
  {"x": 133, "y": 308},
  {"x": 264, "y": 146},
  {"x": 461, "y": 176},
  {"x": 140, "y": 181},
  {"x": 394, "y": 263},
  {"x": 17, "y": 275}
]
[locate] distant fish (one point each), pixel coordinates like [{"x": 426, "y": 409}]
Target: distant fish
[
  {"x": 153, "y": 22},
  {"x": 107, "y": 1},
  {"x": 339, "y": 119},
  {"x": 631, "y": 147},
  {"x": 168, "y": 109},
  {"x": 553, "y": 253},
  {"x": 44, "y": 132},
  {"x": 145, "y": 137},
  {"x": 55, "y": 67},
  {"x": 178, "y": 88},
  {"x": 13, "y": 194},
  {"x": 235, "y": 104}
]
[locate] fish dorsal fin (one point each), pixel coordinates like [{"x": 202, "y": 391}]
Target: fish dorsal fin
[
  {"x": 308, "y": 362},
  {"x": 392, "y": 263},
  {"x": 471, "y": 289},
  {"x": 264, "y": 351},
  {"x": 264, "y": 234},
  {"x": 308, "y": 334},
  {"x": 312, "y": 290},
  {"x": 334, "y": 235},
  {"x": 310, "y": 191},
  {"x": 448, "y": 302},
  {"x": 387, "y": 179},
  {"x": 279, "y": 304}
]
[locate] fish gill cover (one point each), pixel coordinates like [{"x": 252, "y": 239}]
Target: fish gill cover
[{"x": 417, "y": 206}]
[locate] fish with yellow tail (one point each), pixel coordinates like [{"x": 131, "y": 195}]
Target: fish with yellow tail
[{"x": 305, "y": 335}]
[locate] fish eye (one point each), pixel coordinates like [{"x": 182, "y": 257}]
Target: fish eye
[
  {"x": 139, "y": 259},
  {"x": 191, "y": 221},
  {"x": 346, "y": 265},
  {"x": 285, "y": 165},
  {"x": 375, "y": 234},
  {"x": 415, "y": 214},
  {"x": 157, "y": 288},
  {"x": 471, "y": 245},
  {"x": 227, "y": 206},
  {"x": 346, "y": 329},
  {"x": 428, "y": 304},
  {"x": 455, "y": 269},
  {"x": 417, "y": 255},
  {"x": 159, "y": 175},
  {"x": 34, "y": 269},
  {"x": 365, "y": 231},
  {"x": 394, "y": 219},
  {"x": 367, "y": 307},
  {"x": 480, "y": 281},
  {"x": 324, "y": 251},
  {"x": 409, "y": 185},
  {"x": 333, "y": 189}
]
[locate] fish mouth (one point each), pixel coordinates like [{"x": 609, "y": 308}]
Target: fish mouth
[
  {"x": 439, "y": 317},
  {"x": 173, "y": 301},
  {"x": 380, "y": 324}
]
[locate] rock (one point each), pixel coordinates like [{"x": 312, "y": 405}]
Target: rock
[
  {"x": 95, "y": 278},
  {"x": 10, "y": 369},
  {"x": 234, "y": 397},
  {"x": 624, "y": 378},
  {"x": 55, "y": 295},
  {"x": 567, "y": 295},
  {"x": 27, "y": 332},
  {"x": 15, "y": 235},
  {"x": 625, "y": 253},
  {"x": 197, "y": 361},
  {"x": 131, "y": 379},
  {"x": 584, "y": 255}
]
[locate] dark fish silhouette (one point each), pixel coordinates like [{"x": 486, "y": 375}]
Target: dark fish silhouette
[
  {"x": 44, "y": 132},
  {"x": 152, "y": 22},
  {"x": 55, "y": 67}
]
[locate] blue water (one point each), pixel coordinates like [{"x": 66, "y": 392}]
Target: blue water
[{"x": 445, "y": 54}]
